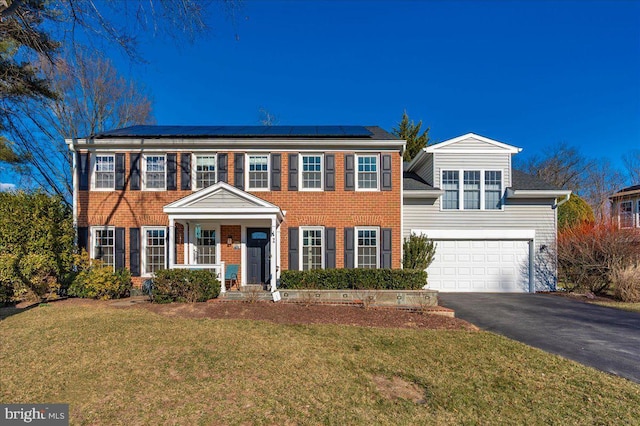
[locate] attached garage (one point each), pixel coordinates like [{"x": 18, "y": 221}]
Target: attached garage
[{"x": 481, "y": 261}]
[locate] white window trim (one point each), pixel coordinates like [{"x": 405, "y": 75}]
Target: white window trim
[
  {"x": 93, "y": 162},
  {"x": 193, "y": 257},
  {"x": 378, "y": 166},
  {"x": 143, "y": 249},
  {"x": 632, "y": 214},
  {"x": 247, "y": 171},
  {"x": 194, "y": 167},
  {"x": 144, "y": 171},
  {"x": 355, "y": 244},
  {"x": 482, "y": 190},
  {"x": 637, "y": 215},
  {"x": 301, "y": 171},
  {"x": 92, "y": 251},
  {"x": 301, "y": 244}
]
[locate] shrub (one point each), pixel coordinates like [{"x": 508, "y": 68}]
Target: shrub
[
  {"x": 575, "y": 212},
  {"x": 419, "y": 252},
  {"x": 354, "y": 279},
  {"x": 626, "y": 283},
  {"x": 588, "y": 254},
  {"x": 95, "y": 280},
  {"x": 184, "y": 285}
]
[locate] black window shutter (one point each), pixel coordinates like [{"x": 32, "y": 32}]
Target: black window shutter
[
  {"x": 349, "y": 173},
  {"x": 329, "y": 172},
  {"x": 185, "y": 171},
  {"x": 134, "y": 251},
  {"x": 172, "y": 171},
  {"x": 119, "y": 258},
  {"x": 83, "y": 171},
  {"x": 349, "y": 252},
  {"x": 293, "y": 172},
  {"x": 386, "y": 172},
  {"x": 330, "y": 248},
  {"x": 238, "y": 169},
  {"x": 385, "y": 251},
  {"x": 119, "y": 171},
  {"x": 134, "y": 171},
  {"x": 294, "y": 260},
  {"x": 276, "y": 167},
  {"x": 83, "y": 238},
  {"x": 223, "y": 168}
]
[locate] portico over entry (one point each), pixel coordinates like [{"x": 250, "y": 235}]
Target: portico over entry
[{"x": 220, "y": 226}]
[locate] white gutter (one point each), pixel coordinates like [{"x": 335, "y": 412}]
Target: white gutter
[
  {"x": 561, "y": 202},
  {"x": 74, "y": 177},
  {"x": 537, "y": 193}
]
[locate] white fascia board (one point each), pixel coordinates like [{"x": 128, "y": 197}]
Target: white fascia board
[
  {"x": 537, "y": 193},
  {"x": 432, "y": 193},
  {"x": 203, "y": 193},
  {"x": 620, "y": 195},
  {"x": 208, "y": 216},
  {"x": 477, "y": 234},
  {"x": 441, "y": 147}
]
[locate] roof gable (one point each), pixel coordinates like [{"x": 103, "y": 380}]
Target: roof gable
[
  {"x": 220, "y": 196},
  {"x": 472, "y": 143}
]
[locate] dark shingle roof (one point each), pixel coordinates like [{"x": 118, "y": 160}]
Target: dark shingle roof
[
  {"x": 302, "y": 132},
  {"x": 413, "y": 182},
  {"x": 522, "y": 180},
  {"x": 629, "y": 188}
]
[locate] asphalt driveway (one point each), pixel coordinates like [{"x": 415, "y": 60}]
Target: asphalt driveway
[{"x": 604, "y": 338}]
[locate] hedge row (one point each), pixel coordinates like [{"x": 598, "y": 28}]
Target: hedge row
[
  {"x": 354, "y": 279},
  {"x": 184, "y": 285}
]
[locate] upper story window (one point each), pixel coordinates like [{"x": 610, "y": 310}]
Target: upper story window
[
  {"x": 104, "y": 176},
  {"x": 367, "y": 248},
  {"x": 258, "y": 176},
  {"x": 155, "y": 170},
  {"x": 312, "y": 248},
  {"x": 103, "y": 247},
  {"x": 480, "y": 190},
  {"x": 367, "y": 169},
  {"x": 205, "y": 173},
  {"x": 311, "y": 171},
  {"x": 626, "y": 214}
]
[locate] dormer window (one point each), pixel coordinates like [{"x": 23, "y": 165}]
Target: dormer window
[{"x": 481, "y": 190}]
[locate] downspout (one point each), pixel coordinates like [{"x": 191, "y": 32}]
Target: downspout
[
  {"x": 74, "y": 180},
  {"x": 561, "y": 202}
]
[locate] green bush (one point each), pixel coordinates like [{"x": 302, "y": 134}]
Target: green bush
[
  {"x": 95, "y": 280},
  {"x": 184, "y": 285},
  {"x": 419, "y": 252},
  {"x": 354, "y": 279}
]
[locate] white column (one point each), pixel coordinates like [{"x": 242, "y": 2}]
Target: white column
[
  {"x": 274, "y": 253},
  {"x": 172, "y": 242}
]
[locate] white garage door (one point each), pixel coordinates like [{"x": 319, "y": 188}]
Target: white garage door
[{"x": 480, "y": 265}]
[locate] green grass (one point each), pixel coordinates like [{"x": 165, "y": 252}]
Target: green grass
[
  {"x": 134, "y": 367},
  {"x": 631, "y": 307}
]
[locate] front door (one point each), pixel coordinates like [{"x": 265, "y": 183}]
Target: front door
[{"x": 258, "y": 253}]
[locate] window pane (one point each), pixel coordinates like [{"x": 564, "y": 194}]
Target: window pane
[
  {"x": 367, "y": 248},
  {"x": 205, "y": 171},
  {"x": 311, "y": 171},
  {"x": 104, "y": 246},
  {"x": 311, "y": 249},
  {"x": 155, "y": 250},
  {"x": 206, "y": 246},
  {"x": 105, "y": 171},
  {"x": 258, "y": 171},
  {"x": 155, "y": 177},
  {"x": 450, "y": 185},
  {"x": 492, "y": 189},
  {"x": 626, "y": 214},
  {"x": 472, "y": 190},
  {"x": 368, "y": 172}
]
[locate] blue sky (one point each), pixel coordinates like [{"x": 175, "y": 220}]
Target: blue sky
[{"x": 531, "y": 74}]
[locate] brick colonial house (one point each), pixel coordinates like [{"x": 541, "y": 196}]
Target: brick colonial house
[{"x": 264, "y": 199}]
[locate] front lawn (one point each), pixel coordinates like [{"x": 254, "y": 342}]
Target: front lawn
[
  {"x": 631, "y": 307},
  {"x": 131, "y": 366}
]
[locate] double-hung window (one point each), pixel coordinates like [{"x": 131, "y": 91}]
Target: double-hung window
[
  {"x": 206, "y": 247},
  {"x": 471, "y": 190},
  {"x": 311, "y": 172},
  {"x": 154, "y": 250},
  {"x": 104, "y": 172},
  {"x": 155, "y": 172},
  {"x": 492, "y": 189},
  {"x": 367, "y": 248},
  {"x": 103, "y": 247},
  {"x": 367, "y": 169},
  {"x": 451, "y": 187},
  {"x": 312, "y": 248},
  {"x": 205, "y": 172},
  {"x": 258, "y": 176},
  {"x": 626, "y": 214}
]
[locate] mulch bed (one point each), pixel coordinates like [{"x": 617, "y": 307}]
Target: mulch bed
[{"x": 284, "y": 313}]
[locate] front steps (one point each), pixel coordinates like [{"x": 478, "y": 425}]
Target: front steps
[{"x": 247, "y": 293}]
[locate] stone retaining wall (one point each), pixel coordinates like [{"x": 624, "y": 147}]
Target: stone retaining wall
[{"x": 416, "y": 298}]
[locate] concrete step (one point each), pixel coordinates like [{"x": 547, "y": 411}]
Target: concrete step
[{"x": 247, "y": 296}]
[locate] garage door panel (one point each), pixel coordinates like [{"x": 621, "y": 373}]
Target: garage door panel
[{"x": 480, "y": 265}]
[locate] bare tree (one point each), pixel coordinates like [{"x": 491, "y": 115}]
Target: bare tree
[
  {"x": 601, "y": 180},
  {"x": 93, "y": 98},
  {"x": 631, "y": 163},
  {"x": 267, "y": 118}
]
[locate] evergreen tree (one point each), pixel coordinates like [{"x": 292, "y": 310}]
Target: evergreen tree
[{"x": 410, "y": 132}]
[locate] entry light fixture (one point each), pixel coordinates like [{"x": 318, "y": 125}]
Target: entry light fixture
[{"x": 229, "y": 240}]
